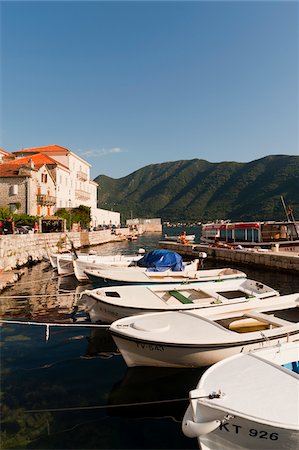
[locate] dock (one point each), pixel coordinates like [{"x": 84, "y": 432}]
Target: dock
[{"x": 277, "y": 260}]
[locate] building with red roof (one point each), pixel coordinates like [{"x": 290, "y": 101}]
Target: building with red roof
[
  {"x": 39, "y": 167},
  {"x": 28, "y": 185}
]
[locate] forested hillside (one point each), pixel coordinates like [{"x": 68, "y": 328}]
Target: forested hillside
[{"x": 197, "y": 190}]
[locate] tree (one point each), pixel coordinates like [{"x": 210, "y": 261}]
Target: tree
[{"x": 81, "y": 215}]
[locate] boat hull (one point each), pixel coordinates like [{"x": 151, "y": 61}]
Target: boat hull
[
  {"x": 239, "y": 433},
  {"x": 105, "y": 278},
  {"x": 104, "y": 312},
  {"x": 138, "y": 352},
  {"x": 117, "y": 261},
  {"x": 65, "y": 266}
]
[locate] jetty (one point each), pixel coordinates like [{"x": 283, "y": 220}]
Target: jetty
[{"x": 273, "y": 259}]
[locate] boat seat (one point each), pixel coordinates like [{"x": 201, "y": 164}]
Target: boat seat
[{"x": 180, "y": 297}]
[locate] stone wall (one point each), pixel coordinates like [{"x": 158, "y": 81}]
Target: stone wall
[
  {"x": 16, "y": 250},
  {"x": 6, "y": 192}
]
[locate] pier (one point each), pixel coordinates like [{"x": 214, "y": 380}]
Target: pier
[{"x": 268, "y": 259}]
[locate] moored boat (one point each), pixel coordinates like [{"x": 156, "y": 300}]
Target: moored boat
[
  {"x": 253, "y": 234},
  {"x": 97, "y": 262},
  {"x": 199, "y": 338},
  {"x": 112, "y": 303},
  {"x": 159, "y": 266},
  {"x": 247, "y": 401},
  {"x": 178, "y": 238},
  {"x": 137, "y": 275},
  {"x": 70, "y": 263}
]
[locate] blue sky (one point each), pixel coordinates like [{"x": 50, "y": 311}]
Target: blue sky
[{"x": 127, "y": 84}]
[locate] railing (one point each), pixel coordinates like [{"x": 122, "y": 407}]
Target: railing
[
  {"x": 44, "y": 199},
  {"x": 83, "y": 195},
  {"x": 82, "y": 175}
]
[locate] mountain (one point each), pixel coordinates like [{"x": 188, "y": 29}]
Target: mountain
[{"x": 198, "y": 190}]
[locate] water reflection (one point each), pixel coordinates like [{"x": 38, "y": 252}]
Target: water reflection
[
  {"x": 100, "y": 344},
  {"x": 153, "y": 392}
]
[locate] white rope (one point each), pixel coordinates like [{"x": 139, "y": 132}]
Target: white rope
[{"x": 49, "y": 324}]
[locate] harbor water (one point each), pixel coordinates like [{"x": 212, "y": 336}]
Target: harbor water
[{"x": 68, "y": 387}]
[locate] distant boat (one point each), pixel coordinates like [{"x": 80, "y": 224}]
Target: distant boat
[
  {"x": 247, "y": 401},
  {"x": 177, "y": 238},
  {"x": 112, "y": 303},
  {"x": 199, "y": 339}
]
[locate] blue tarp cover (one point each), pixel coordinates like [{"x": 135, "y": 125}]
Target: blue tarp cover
[{"x": 160, "y": 260}]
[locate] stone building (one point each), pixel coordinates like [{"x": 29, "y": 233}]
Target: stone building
[
  {"x": 69, "y": 173},
  {"x": 150, "y": 225},
  {"x": 27, "y": 185}
]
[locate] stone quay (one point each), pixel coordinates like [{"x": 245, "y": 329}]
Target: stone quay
[{"x": 268, "y": 259}]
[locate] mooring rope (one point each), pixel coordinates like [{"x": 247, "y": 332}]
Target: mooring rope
[
  {"x": 121, "y": 405},
  {"x": 54, "y": 324}
]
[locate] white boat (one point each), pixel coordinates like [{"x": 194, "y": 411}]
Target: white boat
[
  {"x": 109, "y": 304},
  {"x": 248, "y": 401},
  {"x": 54, "y": 256},
  {"x": 64, "y": 264},
  {"x": 178, "y": 238},
  {"x": 68, "y": 263},
  {"x": 201, "y": 338},
  {"x": 96, "y": 262},
  {"x": 140, "y": 275}
]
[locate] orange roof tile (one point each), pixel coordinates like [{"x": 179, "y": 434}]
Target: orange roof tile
[
  {"x": 11, "y": 168},
  {"x": 5, "y": 152},
  {"x": 47, "y": 149}
]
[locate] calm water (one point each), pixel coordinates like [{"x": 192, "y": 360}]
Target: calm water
[{"x": 84, "y": 394}]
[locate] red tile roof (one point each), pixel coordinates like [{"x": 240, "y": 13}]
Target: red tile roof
[
  {"x": 11, "y": 168},
  {"x": 47, "y": 149},
  {"x": 5, "y": 152}
]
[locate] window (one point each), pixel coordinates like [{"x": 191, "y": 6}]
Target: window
[
  {"x": 12, "y": 207},
  {"x": 13, "y": 190},
  {"x": 44, "y": 178}
]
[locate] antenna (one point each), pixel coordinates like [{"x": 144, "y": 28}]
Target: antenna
[{"x": 284, "y": 207}]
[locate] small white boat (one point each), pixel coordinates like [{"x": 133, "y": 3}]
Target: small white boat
[
  {"x": 248, "y": 401},
  {"x": 96, "y": 262},
  {"x": 201, "y": 338},
  {"x": 177, "y": 238},
  {"x": 54, "y": 256},
  {"x": 64, "y": 264},
  {"x": 109, "y": 304},
  {"x": 69, "y": 263},
  {"x": 140, "y": 275}
]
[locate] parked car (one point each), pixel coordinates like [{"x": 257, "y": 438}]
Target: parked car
[{"x": 23, "y": 229}]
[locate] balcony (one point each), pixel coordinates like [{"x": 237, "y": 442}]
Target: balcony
[
  {"x": 46, "y": 200},
  {"x": 82, "y": 195},
  {"x": 82, "y": 175}
]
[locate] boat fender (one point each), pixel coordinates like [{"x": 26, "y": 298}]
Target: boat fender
[{"x": 192, "y": 429}]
